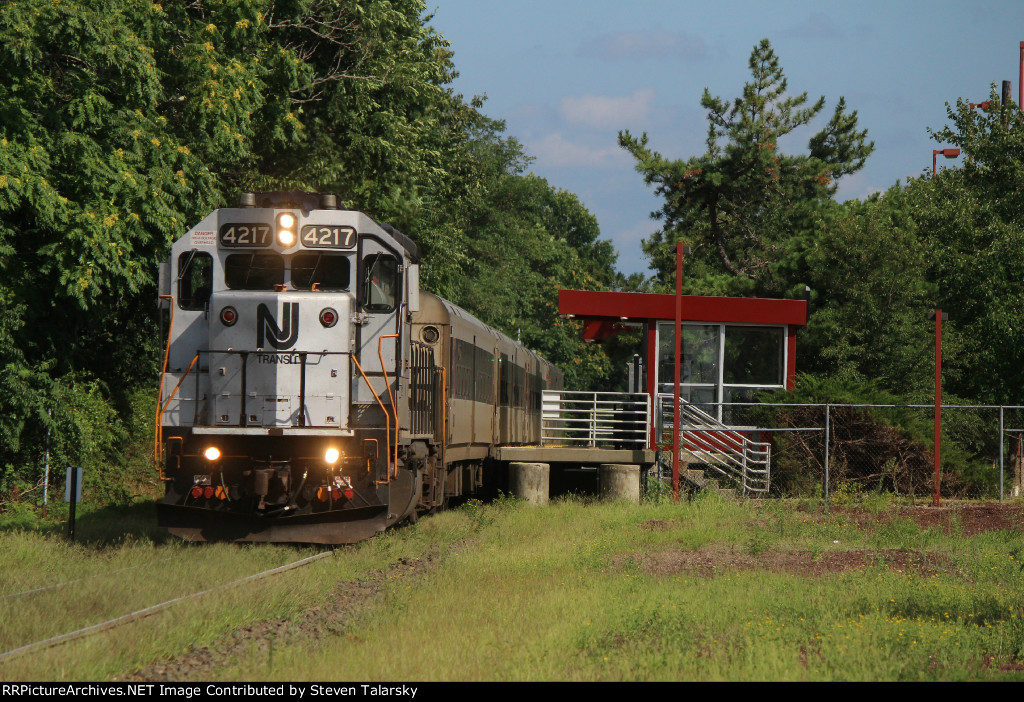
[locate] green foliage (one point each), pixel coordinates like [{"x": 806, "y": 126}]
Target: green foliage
[
  {"x": 519, "y": 228},
  {"x": 869, "y": 326},
  {"x": 123, "y": 122},
  {"x": 745, "y": 207},
  {"x": 972, "y": 220},
  {"x": 874, "y": 449},
  {"x": 955, "y": 242}
]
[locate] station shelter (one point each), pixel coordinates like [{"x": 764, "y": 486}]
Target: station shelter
[{"x": 732, "y": 348}]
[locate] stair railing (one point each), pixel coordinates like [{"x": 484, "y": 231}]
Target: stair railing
[{"x": 725, "y": 450}]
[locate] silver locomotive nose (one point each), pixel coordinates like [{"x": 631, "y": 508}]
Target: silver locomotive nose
[{"x": 280, "y": 359}]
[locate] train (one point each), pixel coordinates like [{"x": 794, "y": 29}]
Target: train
[{"x": 311, "y": 391}]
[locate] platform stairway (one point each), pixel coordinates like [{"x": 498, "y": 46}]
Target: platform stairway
[{"x": 713, "y": 454}]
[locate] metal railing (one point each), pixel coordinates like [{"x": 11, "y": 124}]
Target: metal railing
[
  {"x": 856, "y": 449},
  {"x": 725, "y": 450},
  {"x": 595, "y": 419}
]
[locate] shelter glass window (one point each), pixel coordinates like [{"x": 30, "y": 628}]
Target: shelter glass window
[
  {"x": 195, "y": 280},
  {"x": 380, "y": 282},
  {"x": 329, "y": 272},
  {"x": 699, "y": 354},
  {"x": 753, "y": 356},
  {"x": 722, "y": 363},
  {"x": 253, "y": 271}
]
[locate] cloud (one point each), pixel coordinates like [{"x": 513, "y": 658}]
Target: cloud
[
  {"x": 555, "y": 151},
  {"x": 656, "y": 43},
  {"x": 629, "y": 243},
  {"x": 818, "y": 25},
  {"x": 604, "y": 111},
  {"x": 858, "y": 186}
]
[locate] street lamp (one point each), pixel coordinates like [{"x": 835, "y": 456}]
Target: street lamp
[
  {"x": 680, "y": 251},
  {"x": 939, "y": 316},
  {"x": 948, "y": 153},
  {"x": 985, "y": 105}
]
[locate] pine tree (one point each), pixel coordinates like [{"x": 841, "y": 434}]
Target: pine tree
[{"x": 743, "y": 205}]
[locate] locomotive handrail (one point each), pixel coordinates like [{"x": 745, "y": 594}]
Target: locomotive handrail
[
  {"x": 387, "y": 417},
  {"x": 387, "y": 384},
  {"x": 158, "y": 457},
  {"x": 161, "y": 406}
]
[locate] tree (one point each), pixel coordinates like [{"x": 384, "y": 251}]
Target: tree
[
  {"x": 524, "y": 241},
  {"x": 745, "y": 207},
  {"x": 971, "y": 221},
  {"x": 868, "y": 272},
  {"x": 121, "y": 123},
  {"x": 954, "y": 241}
]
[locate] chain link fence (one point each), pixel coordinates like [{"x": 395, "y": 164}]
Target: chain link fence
[{"x": 831, "y": 449}]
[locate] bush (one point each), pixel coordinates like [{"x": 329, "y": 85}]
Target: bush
[
  {"x": 82, "y": 426},
  {"x": 876, "y": 449}
]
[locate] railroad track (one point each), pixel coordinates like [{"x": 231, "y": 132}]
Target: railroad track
[{"x": 139, "y": 614}]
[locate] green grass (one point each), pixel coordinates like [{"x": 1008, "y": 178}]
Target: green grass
[{"x": 562, "y": 592}]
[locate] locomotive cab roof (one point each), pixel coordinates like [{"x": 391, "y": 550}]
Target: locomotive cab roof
[{"x": 307, "y": 202}]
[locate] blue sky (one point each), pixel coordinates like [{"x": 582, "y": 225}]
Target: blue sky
[{"x": 567, "y": 75}]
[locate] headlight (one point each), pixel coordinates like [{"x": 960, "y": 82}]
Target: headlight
[
  {"x": 286, "y": 229},
  {"x": 332, "y": 455},
  {"x": 430, "y": 334},
  {"x": 212, "y": 453}
]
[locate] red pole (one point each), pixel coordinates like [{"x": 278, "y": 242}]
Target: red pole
[
  {"x": 1020, "y": 82},
  {"x": 938, "y": 400},
  {"x": 677, "y": 364}
]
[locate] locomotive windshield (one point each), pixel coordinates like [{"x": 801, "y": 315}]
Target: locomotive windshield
[
  {"x": 329, "y": 272},
  {"x": 253, "y": 271}
]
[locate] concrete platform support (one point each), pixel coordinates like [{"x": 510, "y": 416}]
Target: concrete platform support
[
  {"x": 530, "y": 482},
  {"x": 620, "y": 482}
]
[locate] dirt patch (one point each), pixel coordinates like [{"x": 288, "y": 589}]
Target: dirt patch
[
  {"x": 656, "y": 525},
  {"x": 709, "y": 562},
  {"x": 257, "y": 639},
  {"x": 973, "y": 518}
]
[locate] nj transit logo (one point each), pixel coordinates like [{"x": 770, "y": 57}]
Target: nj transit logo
[{"x": 282, "y": 337}]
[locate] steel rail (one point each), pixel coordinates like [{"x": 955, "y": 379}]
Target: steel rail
[
  {"x": 78, "y": 580},
  {"x": 139, "y": 614}
]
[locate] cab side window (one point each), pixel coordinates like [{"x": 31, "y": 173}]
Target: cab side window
[
  {"x": 195, "y": 280},
  {"x": 380, "y": 282}
]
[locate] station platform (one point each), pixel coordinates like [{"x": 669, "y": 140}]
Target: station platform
[{"x": 582, "y": 455}]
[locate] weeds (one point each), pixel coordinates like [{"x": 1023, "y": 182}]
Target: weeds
[{"x": 706, "y": 589}]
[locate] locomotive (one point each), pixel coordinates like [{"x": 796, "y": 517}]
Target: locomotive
[{"x": 311, "y": 392}]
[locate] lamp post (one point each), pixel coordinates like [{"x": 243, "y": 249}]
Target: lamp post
[
  {"x": 1020, "y": 82},
  {"x": 680, "y": 250},
  {"x": 948, "y": 153},
  {"x": 939, "y": 316},
  {"x": 985, "y": 105}
]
